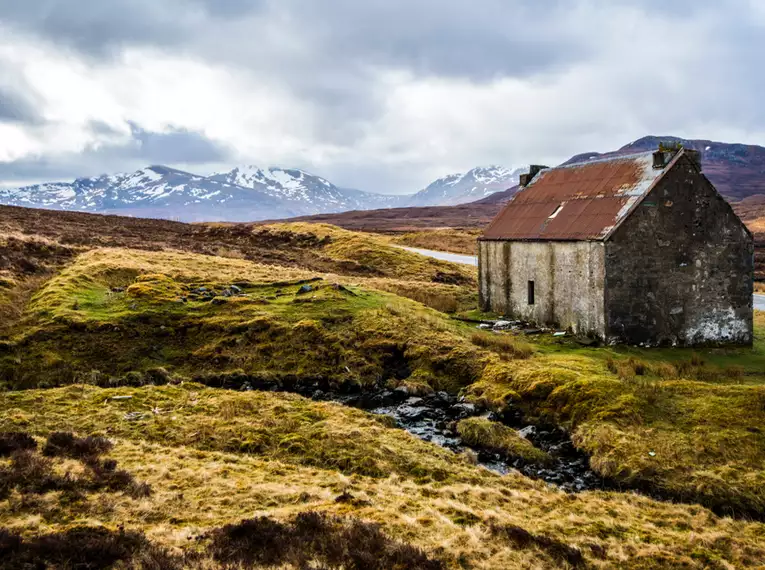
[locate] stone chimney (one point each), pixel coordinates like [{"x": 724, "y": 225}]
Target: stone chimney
[
  {"x": 665, "y": 154},
  {"x": 534, "y": 169}
]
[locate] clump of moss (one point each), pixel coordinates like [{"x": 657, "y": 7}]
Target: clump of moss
[{"x": 493, "y": 436}]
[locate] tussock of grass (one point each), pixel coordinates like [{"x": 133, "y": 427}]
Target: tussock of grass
[
  {"x": 441, "y": 297},
  {"x": 694, "y": 368},
  {"x": 505, "y": 345},
  {"x": 492, "y": 436},
  {"x": 14, "y": 299}
]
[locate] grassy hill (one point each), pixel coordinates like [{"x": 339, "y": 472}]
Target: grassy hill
[{"x": 124, "y": 431}]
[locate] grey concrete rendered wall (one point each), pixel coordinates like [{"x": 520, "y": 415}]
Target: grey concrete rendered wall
[
  {"x": 679, "y": 270},
  {"x": 568, "y": 283}
]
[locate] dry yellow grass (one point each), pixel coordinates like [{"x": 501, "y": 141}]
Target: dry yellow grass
[
  {"x": 457, "y": 520},
  {"x": 452, "y": 240}
]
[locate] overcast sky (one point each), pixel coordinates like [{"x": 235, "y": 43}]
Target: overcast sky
[{"x": 382, "y": 95}]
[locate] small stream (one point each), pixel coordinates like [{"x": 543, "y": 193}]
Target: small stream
[{"x": 433, "y": 418}]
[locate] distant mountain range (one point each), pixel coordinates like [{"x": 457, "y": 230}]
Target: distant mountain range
[
  {"x": 249, "y": 193},
  {"x": 245, "y": 193},
  {"x": 736, "y": 170}
]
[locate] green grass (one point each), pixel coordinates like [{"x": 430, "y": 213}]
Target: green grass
[
  {"x": 77, "y": 326},
  {"x": 374, "y": 253},
  {"x": 687, "y": 423}
]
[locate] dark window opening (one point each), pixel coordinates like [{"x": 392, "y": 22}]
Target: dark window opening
[{"x": 531, "y": 292}]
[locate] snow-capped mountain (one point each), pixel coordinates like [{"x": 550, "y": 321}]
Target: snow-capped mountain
[
  {"x": 303, "y": 191},
  {"x": 246, "y": 193},
  {"x": 242, "y": 194},
  {"x": 468, "y": 187}
]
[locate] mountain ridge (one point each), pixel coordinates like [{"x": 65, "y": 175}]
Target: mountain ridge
[{"x": 244, "y": 193}]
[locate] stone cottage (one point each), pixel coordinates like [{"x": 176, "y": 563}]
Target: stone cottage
[{"x": 639, "y": 249}]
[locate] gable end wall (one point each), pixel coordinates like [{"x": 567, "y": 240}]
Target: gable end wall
[{"x": 679, "y": 270}]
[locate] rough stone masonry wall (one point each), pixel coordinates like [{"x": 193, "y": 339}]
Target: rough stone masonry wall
[
  {"x": 679, "y": 269},
  {"x": 568, "y": 283}
]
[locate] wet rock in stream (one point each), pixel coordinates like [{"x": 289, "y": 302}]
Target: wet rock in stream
[{"x": 434, "y": 418}]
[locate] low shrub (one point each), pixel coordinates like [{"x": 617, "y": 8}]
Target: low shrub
[
  {"x": 559, "y": 551},
  {"x": 312, "y": 537},
  {"x": 13, "y": 441},
  {"x": 32, "y": 473},
  {"x": 85, "y": 548}
]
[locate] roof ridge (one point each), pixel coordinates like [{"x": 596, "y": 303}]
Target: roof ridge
[{"x": 630, "y": 156}]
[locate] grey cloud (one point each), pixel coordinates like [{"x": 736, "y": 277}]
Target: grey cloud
[
  {"x": 428, "y": 36},
  {"x": 98, "y": 27},
  {"x": 444, "y": 37},
  {"x": 176, "y": 146},
  {"x": 16, "y": 108},
  {"x": 142, "y": 148}
]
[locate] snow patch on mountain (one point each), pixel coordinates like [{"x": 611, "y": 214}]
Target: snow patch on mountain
[
  {"x": 467, "y": 187},
  {"x": 302, "y": 190}
]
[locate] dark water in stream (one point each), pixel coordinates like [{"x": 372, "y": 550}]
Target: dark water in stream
[{"x": 433, "y": 418}]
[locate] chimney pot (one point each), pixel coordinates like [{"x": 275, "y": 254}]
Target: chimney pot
[
  {"x": 666, "y": 153},
  {"x": 660, "y": 159}
]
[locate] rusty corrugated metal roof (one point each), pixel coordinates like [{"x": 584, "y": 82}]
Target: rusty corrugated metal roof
[{"x": 582, "y": 201}]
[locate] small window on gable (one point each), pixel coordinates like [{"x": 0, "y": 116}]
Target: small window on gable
[
  {"x": 557, "y": 211},
  {"x": 531, "y": 292}
]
